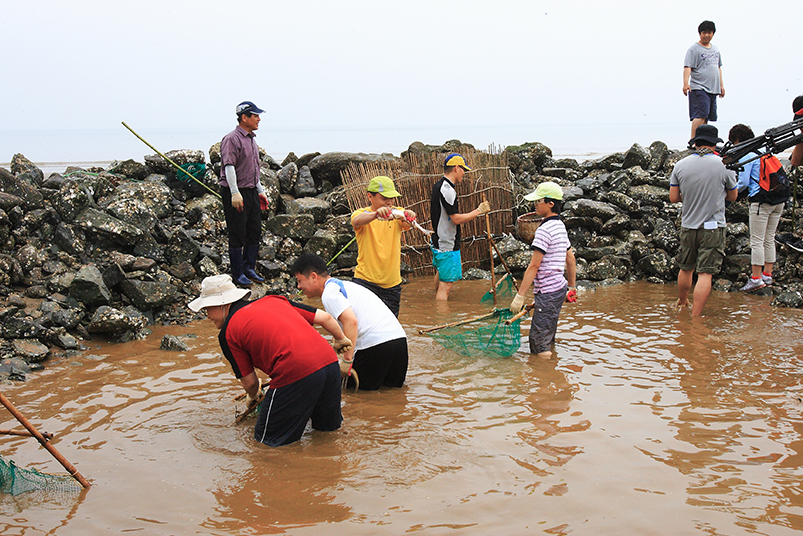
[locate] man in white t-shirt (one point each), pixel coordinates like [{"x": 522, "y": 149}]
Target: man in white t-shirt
[{"x": 379, "y": 355}]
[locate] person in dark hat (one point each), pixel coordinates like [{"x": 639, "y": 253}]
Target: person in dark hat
[
  {"x": 703, "y": 184},
  {"x": 702, "y": 77},
  {"x": 242, "y": 194}
]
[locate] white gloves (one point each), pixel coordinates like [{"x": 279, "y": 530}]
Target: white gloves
[
  {"x": 484, "y": 208},
  {"x": 342, "y": 345},
  {"x": 517, "y": 304}
]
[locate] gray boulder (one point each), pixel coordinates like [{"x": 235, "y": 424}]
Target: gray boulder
[
  {"x": 297, "y": 227},
  {"x": 89, "y": 288},
  {"x": 147, "y": 295}
]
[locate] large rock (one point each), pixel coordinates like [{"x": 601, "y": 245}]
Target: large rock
[
  {"x": 182, "y": 248},
  {"x": 26, "y": 170},
  {"x": 129, "y": 168},
  {"x": 288, "y": 176},
  {"x": 329, "y": 165},
  {"x": 593, "y": 209},
  {"x": 110, "y": 320},
  {"x": 636, "y": 156},
  {"x": 89, "y": 288},
  {"x": 154, "y": 193},
  {"x": 147, "y": 295},
  {"x": 71, "y": 199},
  {"x": 297, "y": 227},
  {"x": 320, "y": 209},
  {"x": 20, "y": 188},
  {"x": 305, "y": 185},
  {"x": 93, "y": 220},
  {"x": 133, "y": 211}
]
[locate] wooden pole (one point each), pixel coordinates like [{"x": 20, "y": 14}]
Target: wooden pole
[
  {"x": 25, "y": 433},
  {"x": 43, "y": 441},
  {"x": 490, "y": 250},
  {"x": 521, "y": 313},
  {"x": 460, "y": 322}
]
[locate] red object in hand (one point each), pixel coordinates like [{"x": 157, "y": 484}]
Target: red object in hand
[
  {"x": 571, "y": 296},
  {"x": 263, "y": 202}
]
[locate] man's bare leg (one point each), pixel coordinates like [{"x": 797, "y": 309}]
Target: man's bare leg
[
  {"x": 696, "y": 122},
  {"x": 443, "y": 291},
  {"x": 701, "y": 292},
  {"x": 684, "y": 287}
]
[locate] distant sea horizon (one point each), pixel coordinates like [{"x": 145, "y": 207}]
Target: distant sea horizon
[{"x": 55, "y": 150}]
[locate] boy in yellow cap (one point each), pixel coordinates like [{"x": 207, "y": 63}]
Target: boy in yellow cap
[
  {"x": 378, "y": 229},
  {"x": 446, "y": 222},
  {"x": 552, "y": 255}
]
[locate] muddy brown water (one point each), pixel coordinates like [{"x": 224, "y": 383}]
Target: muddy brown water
[{"x": 646, "y": 423}]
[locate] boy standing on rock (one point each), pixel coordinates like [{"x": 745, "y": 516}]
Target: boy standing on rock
[
  {"x": 242, "y": 194},
  {"x": 702, "y": 77},
  {"x": 552, "y": 256},
  {"x": 446, "y": 222},
  {"x": 378, "y": 229}
]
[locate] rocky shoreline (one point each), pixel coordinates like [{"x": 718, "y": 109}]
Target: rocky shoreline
[{"x": 106, "y": 252}]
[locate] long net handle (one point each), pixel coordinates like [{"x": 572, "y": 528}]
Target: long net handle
[
  {"x": 490, "y": 250},
  {"x": 42, "y": 441}
]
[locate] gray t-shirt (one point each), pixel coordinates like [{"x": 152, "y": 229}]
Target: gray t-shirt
[
  {"x": 705, "y": 64},
  {"x": 703, "y": 182}
]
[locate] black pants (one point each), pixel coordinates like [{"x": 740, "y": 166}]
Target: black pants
[{"x": 244, "y": 227}]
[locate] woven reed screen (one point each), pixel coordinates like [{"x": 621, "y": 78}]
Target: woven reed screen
[{"x": 414, "y": 176}]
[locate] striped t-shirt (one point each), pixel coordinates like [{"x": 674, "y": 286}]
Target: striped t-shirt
[{"x": 552, "y": 240}]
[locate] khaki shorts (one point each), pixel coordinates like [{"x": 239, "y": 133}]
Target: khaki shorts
[{"x": 701, "y": 250}]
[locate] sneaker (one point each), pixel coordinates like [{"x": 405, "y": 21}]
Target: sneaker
[
  {"x": 767, "y": 279},
  {"x": 753, "y": 284},
  {"x": 797, "y": 245},
  {"x": 785, "y": 238}
]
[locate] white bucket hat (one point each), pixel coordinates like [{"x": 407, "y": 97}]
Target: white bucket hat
[{"x": 217, "y": 290}]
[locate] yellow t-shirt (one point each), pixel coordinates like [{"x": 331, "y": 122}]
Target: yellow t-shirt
[{"x": 379, "y": 251}]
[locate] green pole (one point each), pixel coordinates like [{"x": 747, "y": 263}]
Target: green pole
[{"x": 179, "y": 168}]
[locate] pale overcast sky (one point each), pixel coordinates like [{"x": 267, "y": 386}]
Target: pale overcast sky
[{"x": 366, "y": 74}]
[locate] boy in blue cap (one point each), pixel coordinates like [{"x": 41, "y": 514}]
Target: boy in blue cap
[{"x": 446, "y": 222}]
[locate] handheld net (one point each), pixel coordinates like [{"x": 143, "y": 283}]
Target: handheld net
[
  {"x": 16, "y": 480},
  {"x": 504, "y": 289},
  {"x": 197, "y": 170},
  {"x": 482, "y": 336}
]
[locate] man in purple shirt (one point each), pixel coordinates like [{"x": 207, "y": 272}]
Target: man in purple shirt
[{"x": 242, "y": 194}]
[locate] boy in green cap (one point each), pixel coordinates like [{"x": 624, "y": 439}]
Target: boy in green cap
[
  {"x": 378, "y": 229},
  {"x": 552, "y": 255}
]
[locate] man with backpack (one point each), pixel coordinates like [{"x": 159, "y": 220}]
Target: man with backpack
[
  {"x": 703, "y": 184},
  {"x": 767, "y": 190}
]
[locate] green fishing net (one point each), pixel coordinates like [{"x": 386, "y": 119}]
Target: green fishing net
[
  {"x": 487, "y": 336},
  {"x": 197, "y": 170},
  {"x": 16, "y": 480},
  {"x": 504, "y": 289}
]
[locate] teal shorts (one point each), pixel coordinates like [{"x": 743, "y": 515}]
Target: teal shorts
[{"x": 448, "y": 264}]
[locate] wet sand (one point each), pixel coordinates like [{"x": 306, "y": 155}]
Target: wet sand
[{"x": 646, "y": 423}]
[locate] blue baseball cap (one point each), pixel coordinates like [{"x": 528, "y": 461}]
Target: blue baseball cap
[
  {"x": 248, "y": 107},
  {"x": 456, "y": 159}
]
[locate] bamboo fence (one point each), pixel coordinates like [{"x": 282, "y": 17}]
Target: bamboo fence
[{"x": 414, "y": 176}]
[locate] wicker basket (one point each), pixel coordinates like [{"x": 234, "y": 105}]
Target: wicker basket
[{"x": 526, "y": 224}]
